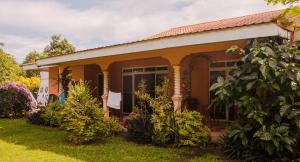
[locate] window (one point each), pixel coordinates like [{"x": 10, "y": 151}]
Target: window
[
  {"x": 221, "y": 69},
  {"x": 153, "y": 76}
]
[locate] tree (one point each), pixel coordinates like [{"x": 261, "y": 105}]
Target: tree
[
  {"x": 290, "y": 16},
  {"x": 9, "y": 69},
  {"x": 266, "y": 91},
  {"x": 58, "y": 46},
  {"x": 31, "y": 57}
]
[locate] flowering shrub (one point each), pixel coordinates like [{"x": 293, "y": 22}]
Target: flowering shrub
[
  {"x": 32, "y": 83},
  {"x": 15, "y": 100}
]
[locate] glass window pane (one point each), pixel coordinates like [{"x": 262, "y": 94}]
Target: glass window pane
[
  {"x": 163, "y": 68},
  {"x": 217, "y": 64},
  {"x": 127, "y": 102},
  {"x": 127, "y": 70},
  {"x": 138, "y": 69},
  {"x": 150, "y": 69}
]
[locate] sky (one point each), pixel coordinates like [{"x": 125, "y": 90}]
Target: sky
[{"x": 27, "y": 25}]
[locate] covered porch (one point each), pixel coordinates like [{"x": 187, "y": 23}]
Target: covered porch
[{"x": 187, "y": 68}]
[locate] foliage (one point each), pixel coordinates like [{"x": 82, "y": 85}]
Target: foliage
[
  {"x": 58, "y": 46},
  {"x": 138, "y": 124},
  {"x": 53, "y": 115},
  {"x": 65, "y": 79},
  {"x": 83, "y": 118},
  {"x": 138, "y": 127},
  {"x": 290, "y": 16},
  {"x": 15, "y": 100},
  {"x": 191, "y": 132},
  {"x": 35, "y": 117},
  {"x": 168, "y": 126},
  {"x": 265, "y": 88},
  {"x": 9, "y": 69},
  {"x": 32, "y": 83},
  {"x": 284, "y": 2},
  {"x": 30, "y": 58}
]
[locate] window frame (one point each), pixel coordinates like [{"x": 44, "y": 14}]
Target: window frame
[
  {"x": 133, "y": 73},
  {"x": 227, "y": 70}
]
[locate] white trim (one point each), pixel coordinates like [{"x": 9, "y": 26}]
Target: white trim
[
  {"x": 35, "y": 67},
  {"x": 237, "y": 33}
]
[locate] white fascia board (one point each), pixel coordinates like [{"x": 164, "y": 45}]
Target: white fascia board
[
  {"x": 35, "y": 67},
  {"x": 29, "y": 67},
  {"x": 237, "y": 33}
]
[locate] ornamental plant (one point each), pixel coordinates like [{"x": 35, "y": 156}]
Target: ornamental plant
[
  {"x": 170, "y": 127},
  {"x": 15, "y": 100},
  {"x": 83, "y": 118},
  {"x": 265, "y": 88},
  {"x": 32, "y": 83}
]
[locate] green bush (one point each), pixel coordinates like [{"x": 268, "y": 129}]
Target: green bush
[
  {"x": 113, "y": 125},
  {"x": 138, "y": 127},
  {"x": 35, "y": 117},
  {"x": 266, "y": 89},
  {"x": 53, "y": 115},
  {"x": 191, "y": 132},
  {"x": 83, "y": 117},
  {"x": 169, "y": 127}
]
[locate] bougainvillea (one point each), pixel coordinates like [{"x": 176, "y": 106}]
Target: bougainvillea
[{"x": 15, "y": 100}]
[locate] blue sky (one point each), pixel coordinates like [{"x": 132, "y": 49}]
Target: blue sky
[{"x": 27, "y": 25}]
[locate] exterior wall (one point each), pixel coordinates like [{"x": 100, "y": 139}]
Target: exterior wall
[
  {"x": 53, "y": 81},
  {"x": 77, "y": 72},
  {"x": 91, "y": 73}
]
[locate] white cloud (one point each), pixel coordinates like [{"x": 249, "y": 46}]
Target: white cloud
[
  {"x": 19, "y": 46},
  {"x": 109, "y": 22}
]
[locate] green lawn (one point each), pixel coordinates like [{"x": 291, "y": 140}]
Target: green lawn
[{"x": 24, "y": 142}]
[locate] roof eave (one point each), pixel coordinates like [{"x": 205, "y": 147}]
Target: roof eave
[{"x": 229, "y": 34}]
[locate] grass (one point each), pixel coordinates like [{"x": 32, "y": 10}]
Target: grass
[{"x": 24, "y": 142}]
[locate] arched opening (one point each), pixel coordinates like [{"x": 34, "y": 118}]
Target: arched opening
[
  {"x": 93, "y": 75},
  {"x": 199, "y": 71}
]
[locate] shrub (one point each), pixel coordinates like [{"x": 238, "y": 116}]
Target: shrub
[
  {"x": 83, "y": 117},
  {"x": 113, "y": 125},
  {"x": 191, "y": 132},
  {"x": 52, "y": 114},
  {"x": 138, "y": 124},
  {"x": 15, "y": 100},
  {"x": 32, "y": 83},
  {"x": 35, "y": 117},
  {"x": 169, "y": 127},
  {"x": 265, "y": 88},
  {"x": 139, "y": 128}
]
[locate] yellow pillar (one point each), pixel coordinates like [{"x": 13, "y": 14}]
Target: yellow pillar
[
  {"x": 177, "y": 97},
  {"x": 105, "y": 92}
]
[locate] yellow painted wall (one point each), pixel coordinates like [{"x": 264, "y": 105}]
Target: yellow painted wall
[
  {"x": 77, "y": 72},
  {"x": 53, "y": 81}
]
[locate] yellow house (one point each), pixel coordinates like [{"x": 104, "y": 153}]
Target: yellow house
[{"x": 192, "y": 57}]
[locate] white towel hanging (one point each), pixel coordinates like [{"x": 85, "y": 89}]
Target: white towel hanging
[{"x": 114, "y": 100}]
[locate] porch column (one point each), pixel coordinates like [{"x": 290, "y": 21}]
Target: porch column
[
  {"x": 105, "y": 93},
  {"x": 177, "y": 97}
]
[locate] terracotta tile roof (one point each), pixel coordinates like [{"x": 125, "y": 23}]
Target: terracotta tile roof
[{"x": 258, "y": 18}]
